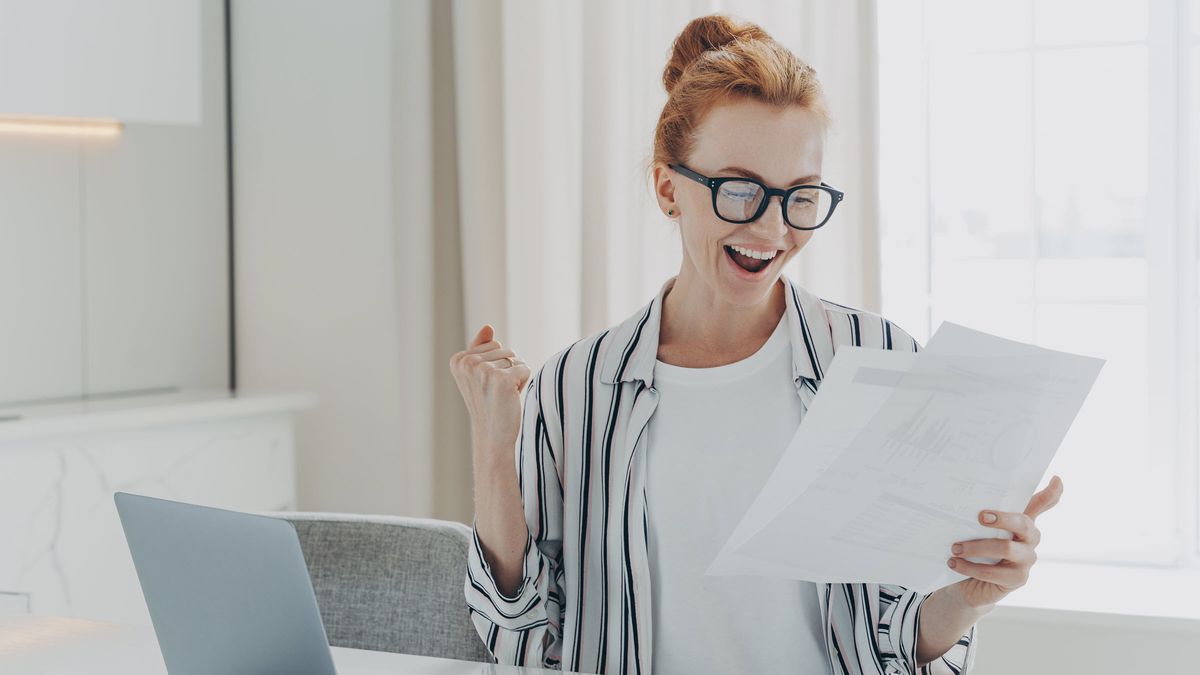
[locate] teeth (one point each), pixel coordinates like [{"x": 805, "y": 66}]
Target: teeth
[{"x": 754, "y": 254}]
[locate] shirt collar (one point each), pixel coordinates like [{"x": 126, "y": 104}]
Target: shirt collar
[{"x": 634, "y": 345}]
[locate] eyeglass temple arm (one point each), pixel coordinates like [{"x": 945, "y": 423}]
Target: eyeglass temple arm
[{"x": 703, "y": 180}]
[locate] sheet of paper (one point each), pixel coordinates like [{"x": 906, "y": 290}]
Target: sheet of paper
[
  {"x": 827, "y": 428},
  {"x": 891, "y": 465}
]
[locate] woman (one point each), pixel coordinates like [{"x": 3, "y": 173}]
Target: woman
[{"x": 639, "y": 447}]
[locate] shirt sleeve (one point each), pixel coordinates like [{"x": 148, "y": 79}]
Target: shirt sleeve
[
  {"x": 525, "y": 629},
  {"x": 898, "y": 338},
  {"x": 899, "y": 624}
]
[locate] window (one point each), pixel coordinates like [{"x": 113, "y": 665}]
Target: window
[{"x": 1039, "y": 179}]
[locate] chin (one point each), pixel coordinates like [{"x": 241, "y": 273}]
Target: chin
[{"x": 742, "y": 293}]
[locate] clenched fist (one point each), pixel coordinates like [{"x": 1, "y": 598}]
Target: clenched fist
[{"x": 491, "y": 379}]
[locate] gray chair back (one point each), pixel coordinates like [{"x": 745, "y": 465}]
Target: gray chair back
[{"x": 390, "y": 583}]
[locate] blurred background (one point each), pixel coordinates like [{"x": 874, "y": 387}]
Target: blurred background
[{"x": 240, "y": 240}]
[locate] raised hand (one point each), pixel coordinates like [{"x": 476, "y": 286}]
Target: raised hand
[{"x": 490, "y": 379}]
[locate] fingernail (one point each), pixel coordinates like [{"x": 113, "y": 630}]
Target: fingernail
[
  {"x": 989, "y": 517},
  {"x": 951, "y": 563},
  {"x": 957, "y": 548}
]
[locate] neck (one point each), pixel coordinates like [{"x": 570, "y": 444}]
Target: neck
[{"x": 694, "y": 317}]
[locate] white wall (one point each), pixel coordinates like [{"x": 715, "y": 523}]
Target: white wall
[
  {"x": 113, "y": 250},
  {"x": 89, "y": 58},
  {"x": 321, "y": 269},
  {"x": 1096, "y": 646}
]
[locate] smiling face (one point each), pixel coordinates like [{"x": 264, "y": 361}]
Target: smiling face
[{"x": 781, "y": 147}]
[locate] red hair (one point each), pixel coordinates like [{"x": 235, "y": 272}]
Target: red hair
[{"x": 717, "y": 58}]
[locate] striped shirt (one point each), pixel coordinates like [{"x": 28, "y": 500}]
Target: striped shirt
[{"x": 584, "y": 602}]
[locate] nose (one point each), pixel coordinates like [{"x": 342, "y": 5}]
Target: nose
[{"x": 770, "y": 225}]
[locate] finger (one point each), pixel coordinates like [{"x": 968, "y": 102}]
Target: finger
[
  {"x": 503, "y": 364},
  {"x": 1002, "y": 574},
  {"x": 1046, "y": 499},
  {"x": 1019, "y": 524},
  {"x": 485, "y": 347},
  {"x": 485, "y": 334},
  {"x": 498, "y": 354},
  {"x": 523, "y": 374},
  {"x": 1006, "y": 549}
]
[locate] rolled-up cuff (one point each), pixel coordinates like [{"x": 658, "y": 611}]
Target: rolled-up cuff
[
  {"x": 903, "y": 633},
  {"x": 484, "y": 596},
  {"x": 957, "y": 660}
]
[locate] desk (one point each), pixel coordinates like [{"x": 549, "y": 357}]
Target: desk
[{"x": 45, "y": 645}]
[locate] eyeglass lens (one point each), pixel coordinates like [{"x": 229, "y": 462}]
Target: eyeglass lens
[{"x": 739, "y": 200}]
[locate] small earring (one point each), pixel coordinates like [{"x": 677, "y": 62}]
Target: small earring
[{"x": 670, "y": 212}]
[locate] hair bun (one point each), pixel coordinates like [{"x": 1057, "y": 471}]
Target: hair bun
[{"x": 702, "y": 34}]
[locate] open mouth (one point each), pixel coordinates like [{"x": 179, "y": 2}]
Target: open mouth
[{"x": 747, "y": 263}]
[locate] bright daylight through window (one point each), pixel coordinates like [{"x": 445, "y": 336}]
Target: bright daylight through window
[{"x": 1039, "y": 179}]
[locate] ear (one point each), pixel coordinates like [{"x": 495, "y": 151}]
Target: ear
[{"x": 664, "y": 188}]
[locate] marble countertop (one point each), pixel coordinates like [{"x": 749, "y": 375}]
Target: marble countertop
[{"x": 135, "y": 411}]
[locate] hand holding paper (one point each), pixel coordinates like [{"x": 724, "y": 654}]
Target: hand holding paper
[{"x": 898, "y": 454}]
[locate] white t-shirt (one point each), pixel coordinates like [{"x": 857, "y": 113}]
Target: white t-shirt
[{"x": 713, "y": 439}]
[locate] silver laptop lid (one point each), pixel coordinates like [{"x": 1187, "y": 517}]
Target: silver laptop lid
[{"x": 228, "y": 592}]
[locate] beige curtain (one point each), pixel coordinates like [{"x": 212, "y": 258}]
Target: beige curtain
[{"x": 543, "y": 113}]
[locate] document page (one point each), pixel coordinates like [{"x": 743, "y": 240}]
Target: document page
[{"x": 899, "y": 452}]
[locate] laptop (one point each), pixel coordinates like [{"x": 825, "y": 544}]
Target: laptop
[{"x": 228, "y": 592}]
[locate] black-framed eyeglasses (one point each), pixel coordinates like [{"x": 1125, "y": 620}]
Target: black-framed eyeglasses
[{"x": 737, "y": 199}]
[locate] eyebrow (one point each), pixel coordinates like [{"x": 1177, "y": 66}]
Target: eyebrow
[{"x": 750, "y": 174}]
